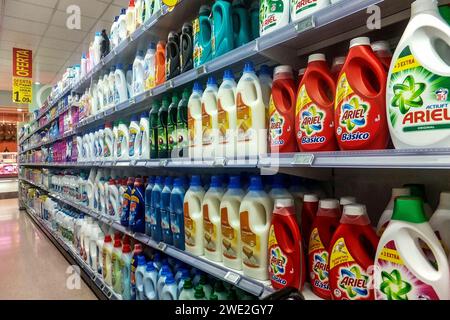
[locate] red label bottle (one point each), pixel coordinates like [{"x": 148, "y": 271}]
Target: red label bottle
[{"x": 309, "y": 211}]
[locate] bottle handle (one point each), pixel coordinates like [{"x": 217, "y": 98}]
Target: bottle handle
[
  {"x": 379, "y": 72},
  {"x": 287, "y": 236}
]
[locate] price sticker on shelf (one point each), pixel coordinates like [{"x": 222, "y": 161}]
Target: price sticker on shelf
[
  {"x": 162, "y": 246},
  {"x": 141, "y": 163},
  {"x": 220, "y": 162},
  {"x": 169, "y": 84},
  {"x": 232, "y": 277},
  {"x": 163, "y": 163},
  {"x": 306, "y": 24},
  {"x": 132, "y": 101},
  {"x": 303, "y": 159},
  {"x": 201, "y": 70}
]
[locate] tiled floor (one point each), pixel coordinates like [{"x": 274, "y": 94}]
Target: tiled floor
[{"x": 31, "y": 267}]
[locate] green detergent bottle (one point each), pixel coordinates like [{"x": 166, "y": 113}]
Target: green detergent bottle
[
  {"x": 241, "y": 23},
  {"x": 254, "y": 19},
  {"x": 172, "y": 125},
  {"x": 222, "y": 28},
  {"x": 162, "y": 129},
  {"x": 182, "y": 125},
  {"x": 202, "y": 27},
  {"x": 154, "y": 129}
]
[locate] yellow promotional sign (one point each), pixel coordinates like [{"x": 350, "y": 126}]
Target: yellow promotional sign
[
  {"x": 170, "y": 3},
  {"x": 22, "y": 90}
]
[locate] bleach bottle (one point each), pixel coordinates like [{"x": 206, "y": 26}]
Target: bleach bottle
[
  {"x": 172, "y": 127},
  {"x": 150, "y": 66},
  {"x": 181, "y": 149},
  {"x": 227, "y": 116},
  {"x": 125, "y": 213},
  {"x": 114, "y": 200},
  {"x": 195, "y": 123},
  {"x": 143, "y": 140},
  {"x": 203, "y": 34},
  {"x": 129, "y": 78},
  {"x": 163, "y": 275},
  {"x": 154, "y": 112},
  {"x": 162, "y": 129},
  {"x": 274, "y": 14},
  {"x": 223, "y": 38},
  {"x": 302, "y": 8},
  {"x": 177, "y": 213},
  {"x": 387, "y": 213},
  {"x": 186, "y": 48},
  {"x": 137, "y": 207},
  {"x": 241, "y": 23},
  {"x": 112, "y": 85},
  {"x": 139, "y": 278},
  {"x": 133, "y": 135},
  {"x": 138, "y": 74},
  {"x": 122, "y": 142},
  {"x": 165, "y": 210},
  {"x": 440, "y": 222},
  {"x": 121, "y": 91},
  {"x": 148, "y": 205},
  {"x": 170, "y": 289},
  {"x": 402, "y": 270},
  {"x": 133, "y": 267},
  {"x": 209, "y": 119},
  {"x": 173, "y": 65},
  {"x": 155, "y": 209},
  {"x": 193, "y": 217},
  {"x": 150, "y": 282}
]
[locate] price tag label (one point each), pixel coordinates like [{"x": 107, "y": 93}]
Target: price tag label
[
  {"x": 232, "y": 277},
  {"x": 201, "y": 70},
  {"x": 132, "y": 101},
  {"x": 220, "y": 162},
  {"x": 169, "y": 84},
  {"x": 141, "y": 163},
  {"x": 306, "y": 24},
  {"x": 304, "y": 159},
  {"x": 163, "y": 163},
  {"x": 162, "y": 246},
  {"x": 133, "y": 163}
]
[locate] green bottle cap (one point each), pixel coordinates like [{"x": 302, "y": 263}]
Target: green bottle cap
[
  {"x": 175, "y": 99},
  {"x": 203, "y": 279},
  {"x": 444, "y": 10},
  {"x": 187, "y": 284},
  {"x": 213, "y": 297},
  {"x": 409, "y": 209},
  {"x": 199, "y": 293},
  {"x": 156, "y": 104},
  {"x": 417, "y": 190},
  {"x": 186, "y": 94}
]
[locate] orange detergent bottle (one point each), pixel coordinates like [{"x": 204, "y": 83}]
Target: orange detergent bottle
[
  {"x": 360, "y": 104},
  {"x": 352, "y": 252},
  {"x": 314, "y": 116},
  {"x": 160, "y": 63}
]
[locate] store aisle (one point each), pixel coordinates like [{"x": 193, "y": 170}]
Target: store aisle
[{"x": 31, "y": 267}]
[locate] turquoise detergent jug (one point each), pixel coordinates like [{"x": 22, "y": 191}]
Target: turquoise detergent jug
[
  {"x": 241, "y": 23},
  {"x": 254, "y": 19},
  {"x": 204, "y": 36},
  {"x": 222, "y": 28}
]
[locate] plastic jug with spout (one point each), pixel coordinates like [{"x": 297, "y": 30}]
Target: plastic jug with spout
[
  {"x": 122, "y": 26},
  {"x": 203, "y": 33},
  {"x": 323, "y": 228},
  {"x": 256, "y": 217},
  {"x": 282, "y": 112},
  {"x": 114, "y": 200},
  {"x": 106, "y": 90},
  {"x": 162, "y": 130},
  {"x": 186, "y": 48},
  {"x": 181, "y": 149},
  {"x": 116, "y": 137},
  {"x": 166, "y": 232},
  {"x": 314, "y": 118},
  {"x": 231, "y": 224},
  {"x": 360, "y": 104},
  {"x": 160, "y": 63},
  {"x": 170, "y": 289},
  {"x": 195, "y": 128},
  {"x": 112, "y": 86},
  {"x": 193, "y": 217},
  {"x": 154, "y": 112},
  {"x": 383, "y": 52},
  {"x": 172, "y": 126},
  {"x": 274, "y": 14},
  {"x": 137, "y": 207},
  {"x": 137, "y": 251},
  {"x": 210, "y": 119},
  {"x": 125, "y": 262},
  {"x": 122, "y": 142},
  {"x": 302, "y": 8},
  {"x": 114, "y": 33},
  {"x": 121, "y": 91},
  {"x": 155, "y": 210},
  {"x": 309, "y": 211},
  {"x": 138, "y": 74},
  {"x": 126, "y": 201},
  {"x": 150, "y": 66},
  {"x": 227, "y": 116},
  {"x": 106, "y": 254},
  {"x": 173, "y": 66},
  {"x": 387, "y": 213},
  {"x": 352, "y": 251},
  {"x": 131, "y": 17},
  {"x": 223, "y": 38},
  {"x": 440, "y": 222},
  {"x": 251, "y": 115},
  {"x": 150, "y": 282},
  {"x": 402, "y": 271},
  {"x": 133, "y": 135},
  {"x": 177, "y": 213},
  {"x": 148, "y": 204},
  {"x": 241, "y": 23},
  {"x": 139, "y": 276},
  {"x": 143, "y": 139}
]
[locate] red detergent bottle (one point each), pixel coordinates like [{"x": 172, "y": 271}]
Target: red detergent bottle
[
  {"x": 309, "y": 211},
  {"x": 314, "y": 114},
  {"x": 282, "y": 111},
  {"x": 323, "y": 228},
  {"x": 352, "y": 252},
  {"x": 360, "y": 104},
  {"x": 285, "y": 252}
]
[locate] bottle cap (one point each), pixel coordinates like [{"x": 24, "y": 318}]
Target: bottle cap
[
  {"x": 265, "y": 70},
  {"x": 126, "y": 248},
  {"x": 235, "y": 182},
  {"x": 284, "y": 203},
  {"x": 199, "y": 293},
  {"x": 380, "y": 46},
  {"x": 397, "y": 192},
  {"x": 256, "y": 183},
  {"x": 196, "y": 181},
  {"x": 249, "y": 67},
  {"x": 178, "y": 182},
  {"x": 197, "y": 87},
  {"x": 310, "y": 197},
  {"x": 360, "y": 41},
  {"x": 228, "y": 75},
  {"x": 355, "y": 210},
  {"x": 170, "y": 279},
  {"x": 150, "y": 266},
  {"x": 409, "y": 209},
  {"x": 168, "y": 181},
  {"x": 283, "y": 69},
  {"x": 212, "y": 81},
  {"x": 107, "y": 238},
  {"x": 329, "y": 204},
  {"x": 316, "y": 57},
  {"x": 216, "y": 182},
  {"x": 187, "y": 284},
  {"x": 152, "y": 46},
  {"x": 347, "y": 200},
  {"x": 141, "y": 260}
]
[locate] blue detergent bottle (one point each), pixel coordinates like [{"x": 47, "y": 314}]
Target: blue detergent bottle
[
  {"x": 222, "y": 28},
  {"x": 241, "y": 23},
  {"x": 205, "y": 34},
  {"x": 177, "y": 213},
  {"x": 155, "y": 218},
  {"x": 126, "y": 201},
  {"x": 137, "y": 207},
  {"x": 165, "y": 211},
  {"x": 148, "y": 205}
]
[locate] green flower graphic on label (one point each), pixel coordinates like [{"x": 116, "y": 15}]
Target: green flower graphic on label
[
  {"x": 320, "y": 265},
  {"x": 312, "y": 119},
  {"x": 407, "y": 95},
  {"x": 354, "y": 114},
  {"x": 394, "y": 287},
  {"x": 278, "y": 261},
  {"x": 354, "y": 282}
]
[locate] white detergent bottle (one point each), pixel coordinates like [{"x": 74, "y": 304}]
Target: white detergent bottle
[
  {"x": 131, "y": 17},
  {"x": 90, "y": 188},
  {"x": 273, "y": 15},
  {"x": 148, "y": 8},
  {"x": 209, "y": 119},
  {"x": 139, "y": 12},
  {"x": 121, "y": 89},
  {"x": 266, "y": 81},
  {"x": 138, "y": 74},
  {"x": 80, "y": 151},
  {"x": 123, "y": 138},
  {"x": 106, "y": 92},
  {"x": 251, "y": 115},
  {"x": 256, "y": 216},
  {"x": 279, "y": 190},
  {"x": 156, "y": 6},
  {"x": 114, "y": 34},
  {"x": 143, "y": 141},
  {"x": 116, "y": 138},
  {"x": 212, "y": 220},
  {"x": 402, "y": 271},
  {"x": 129, "y": 78},
  {"x": 150, "y": 66},
  {"x": 97, "y": 48},
  {"x": 187, "y": 293},
  {"x": 101, "y": 142},
  {"x": 140, "y": 277},
  {"x": 302, "y": 8},
  {"x": 227, "y": 116},
  {"x": 108, "y": 142},
  {"x": 114, "y": 196},
  {"x": 100, "y": 95},
  {"x": 418, "y": 81},
  {"x": 162, "y": 280},
  {"x": 100, "y": 242},
  {"x": 195, "y": 123},
  {"x": 231, "y": 224},
  {"x": 122, "y": 26},
  {"x": 170, "y": 289},
  {"x": 151, "y": 282},
  {"x": 387, "y": 213},
  {"x": 193, "y": 217},
  {"x": 83, "y": 65},
  {"x": 86, "y": 147},
  {"x": 112, "y": 86},
  {"x": 94, "y": 100},
  {"x": 96, "y": 232},
  {"x": 133, "y": 136},
  {"x": 91, "y": 141},
  {"x": 440, "y": 222},
  {"x": 102, "y": 196}
]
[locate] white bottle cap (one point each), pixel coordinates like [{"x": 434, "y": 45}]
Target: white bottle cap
[
  {"x": 444, "y": 199},
  {"x": 361, "y": 41},
  {"x": 302, "y": 71},
  {"x": 329, "y": 204},
  {"x": 380, "y": 46},
  {"x": 283, "y": 69},
  {"x": 316, "y": 57},
  {"x": 398, "y": 192},
  {"x": 338, "y": 61},
  {"x": 284, "y": 203},
  {"x": 310, "y": 197},
  {"x": 347, "y": 200},
  {"x": 355, "y": 210},
  {"x": 420, "y": 6}
]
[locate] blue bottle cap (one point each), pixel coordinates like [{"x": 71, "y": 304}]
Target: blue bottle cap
[
  {"x": 235, "y": 182},
  {"x": 216, "y": 182},
  {"x": 185, "y": 274},
  {"x": 249, "y": 67},
  {"x": 152, "y": 180},
  {"x": 123, "y": 11},
  {"x": 278, "y": 181},
  {"x": 156, "y": 256},
  {"x": 265, "y": 70},
  {"x": 130, "y": 67},
  {"x": 165, "y": 268},
  {"x": 116, "y": 18},
  {"x": 83, "y": 56},
  {"x": 228, "y": 75},
  {"x": 150, "y": 266},
  {"x": 140, "y": 53},
  {"x": 152, "y": 45},
  {"x": 144, "y": 115},
  {"x": 113, "y": 68},
  {"x": 134, "y": 118},
  {"x": 119, "y": 66},
  {"x": 170, "y": 279},
  {"x": 98, "y": 34},
  {"x": 159, "y": 180},
  {"x": 141, "y": 260},
  {"x": 196, "y": 181},
  {"x": 178, "y": 182},
  {"x": 256, "y": 183},
  {"x": 168, "y": 181},
  {"x": 197, "y": 87},
  {"x": 212, "y": 81}
]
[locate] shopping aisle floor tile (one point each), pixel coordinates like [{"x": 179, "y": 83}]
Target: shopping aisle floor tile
[{"x": 31, "y": 267}]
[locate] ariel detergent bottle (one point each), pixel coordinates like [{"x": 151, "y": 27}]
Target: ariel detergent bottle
[
  {"x": 418, "y": 82},
  {"x": 222, "y": 40},
  {"x": 274, "y": 14}
]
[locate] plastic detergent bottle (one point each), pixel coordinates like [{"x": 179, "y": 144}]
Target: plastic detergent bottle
[
  {"x": 360, "y": 105},
  {"x": 314, "y": 117},
  {"x": 143, "y": 141},
  {"x": 173, "y": 66},
  {"x": 112, "y": 85},
  {"x": 131, "y": 17},
  {"x": 126, "y": 199},
  {"x": 251, "y": 115},
  {"x": 227, "y": 116},
  {"x": 121, "y": 91},
  {"x": 285, "y": 251},
  {"x": 231, "y": 224},
  {"x": 387, "y": 213},
  {"x": 282, "y": 111},
  {"x": 265, "y": 79},
  {"x": 212, "y": 220},
  {"x": 203, "y": 34},
  {"x": 418, "y": 190},
  {"x": 172, "y": 126},
  {"x": 134, "y": 265},
  {"x": 195, "y": 128},
  {"x": 138, "y": 74},
  {"x": 323, "y": 228},
  {"x": 154, "y": 113},
  {"x": 139, "y": 278},
  {"x": 223, "y": 38},
  {"x": 241, "y": 23},
  {"x": 160, "y": 63},
  {"x": 162, "y": 129},
  {"x": 440, "y": 222},
  {"x": 122, "y": 142},
  {"x": 137, "y": 207},
  {"x": 150, "y": 282},
  {"x": 209, "y": 119},
  {"x": 181, "y": 149},
  {"x": 417, "y": 90},
  {"x": 309, "y": 211},
  {"x": 148, "y": 204},
  {"x": 148, "y": 9},
  {"x": 255, "y": 215},
  {"x": 156, "y": 6},
  {"x": 113, "y": 200},
  {"x": 106, "y": 92},
  {"x": 133, "y": 133},
  {"x": 383, "y": 52},
  {"x": 402, "y": 271},
  {"x": 125, "y": 263},
  {"x": 100, "y": 95},
  {"x": 279, "y": 190},
  {"x": 274, "y": 14},
  {"x": 352, "y": 251},
  {"x": 139, "y": 13},
  {"x": 193, "y": 217},
  {"x": 186, "y": 48},
  {"x": 114, "y": 33},
  {"x": 177, "y": 213},
  {"x": 170, "y": 289},
  {"x": 167, "y": 236},
  {"x": 150, "y": 66},
  {"x": 187, "y": 293},
  {"x": 106, "y": 261},
  {"x": 129, "y": 78},
  {"x": 122, "y": 25},
  {"x": 303, "y": 8},
  {"x": 164, "y": 274},
  {"x": 154, "y": 216},
  {"x": 343, "y": 201},
  {"x": 336, "y": 67}
]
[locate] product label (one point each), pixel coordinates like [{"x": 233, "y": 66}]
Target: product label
[
  {"x": 133, "y": 135},
  {"x": 106, "y": 150},
  {"x": 142, "y": 130},
  {"x": 223, "y": 119},
  {"x": 210, "y": 231},
  {"x": 176, "y": 226},
  {"x": 251, "y": 243},
  {"x": 303, "y": 5},
  {"x": 125, "y": 207},
  {"x": 154, "y": 214},
  {"x": 281, "y": 270},
  {"x": 279, "y": 127},
  {"x": 244, "y": 120},
  {"x": 318, "y": 263},
  {"x": 116, "y": 95},
  {"x": 394, "y": 281},
  {"x": 133, "y": 209},
  {"x": 189, "y": 227},
  {"x": 191, "y": 129},
  {"x": 206, "y": 127},
  {"x": 229, "y": 238},
  {"x": 197, "y": 52},
  {"x": 270, "y": 13},
  {"x": 162, "y": 139},
  {"x": 106, "y": 270},
  {"x": 120, "y": 141},
  {"x": 165, "y": 219},
  {"x": 172, "y": 136},
  {"x": 182, "y": 135},
  {"x": 154, "y": 142}
]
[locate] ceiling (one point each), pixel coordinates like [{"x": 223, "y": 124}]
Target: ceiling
[{"x": 40, "y": 25}]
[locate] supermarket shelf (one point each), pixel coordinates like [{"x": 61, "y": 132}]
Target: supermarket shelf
[
  {"x": 95, "y": 281},
  {"x": 37, "y": 146}
]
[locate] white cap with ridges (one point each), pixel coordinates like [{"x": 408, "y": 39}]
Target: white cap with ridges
[
  {"x": 283, "y": 69},
  {"x": 420, "y": 6},
  {"x": 328, "y": 204},
  {"x": 398, "y": 192},
  {"x": 284, "y": 203},
  {"x": 355, "y": 210},
  {"x": 347, "y": 200},
  {"x": 361, "y": 41},
  {"x": 310, "y": 197},
  {"x": 316, "y": 57}
]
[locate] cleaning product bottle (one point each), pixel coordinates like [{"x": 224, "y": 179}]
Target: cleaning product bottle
[
  {"x": 265, "y": 79},
  {"x": 285, "y": 251},
  {"x": 231, "y": 224},
  {"x": 274, "y": 15},
  {"x": 440, "y": 222},
  {"x": 193, "y": 217},
  {"x": 148, "y": 9},
  {"x": 212, "y": 220},
  {"x": 133, "y": 267},
  {"x": 181, "y": 149},
  {"x": 162, "y": 129},
  {"x": 150, "y": 66},
  {"x": 387, "y": 213},
  {"x": 112, "y": 85},
  {"x": 163, "y": 275},
  {"x": 131, "y": 17},
  {"x": 279, "y": 190},
  {"x": 402, "y": 271},
  {"x": 170, "y": 289},
  {"x": 314, "y": 120},
  {"x": 106, "y": 261},
  {"x": 113, "y": 200},
  {"x": 383, "y": 52},
  {"x": 241, "y": 23},
  {"x": 282, "y": 112},
  {"x": 122, "y": 26},
  {"x": 251, "y": 115},
  {"x": 186, "y": 48},
  {"x": 139, "y": 278},
  {"x": 155, "y": 210},
  {"x": 156, "y": 6},
  {"x": 166, "y": 232},
  {"x": 139, "y": 12},
  {"x": 255, "y": 215},
  {"x": 227, "y": 116},
  {"x": 173, "y": 65},
  {"x": 360, "y": 105},
  {"x": 126, "y": 200},
  {"x": 172, "y": 127},
  {"x": 187, "y": 293},
  {"x": 126, "y": 271},
  {"x": 148, "y": 204},
  {"x": 129, "y": 78},
  {"x": 154, "y": 141},
  {"x": 203, "y": 34},
  {"x": 301, "y": 8},
  {"x": 150, "y": 282},
  {"x": 177, "y": 213},
  {"x": 323, "y": 228},
  {"x": 138, "y": 74},
  {"x": 143, "y": 141},
  {"x": 417, "y": 91},
  {"x": 336, "y": 67},
  {"x": 160, "y": 63},
  {"x": 223, "y": 38},
  {"x": 133, "y": 132},
  {"x": 195, "y": 123},
  {"x": 121, "y": 91},
  {"x": 137, "y": 207},
  {"x": 122, "y": 142},
  {"x": 116, "y": 267},
  {"x": 418, "y": 190},
  {"x": 353, "y": 248},
  {"x": 344, "y": 201},
  {"x": 209, "y": 119},
  {"x": 309, "y": 211}
]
